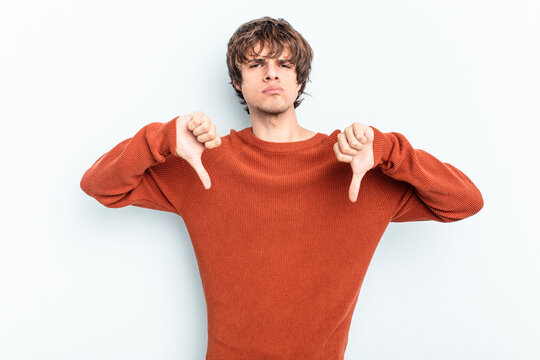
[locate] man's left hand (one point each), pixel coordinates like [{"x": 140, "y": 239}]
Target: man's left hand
[{"x": 355, "y": 146}]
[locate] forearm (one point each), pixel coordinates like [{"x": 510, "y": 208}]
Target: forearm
[
  {"x": 121, "y": 170},
  {"x": 441, "y": 187}
]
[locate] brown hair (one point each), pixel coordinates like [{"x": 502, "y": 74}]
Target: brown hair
[{"x": 274, "y": 34}]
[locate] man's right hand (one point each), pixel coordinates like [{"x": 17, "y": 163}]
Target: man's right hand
[{"x": 195, "y": 133}]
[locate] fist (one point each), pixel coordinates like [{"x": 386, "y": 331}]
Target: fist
[
  {"x": 195, "y": 133},
  {"x": 355, "y": 146}
]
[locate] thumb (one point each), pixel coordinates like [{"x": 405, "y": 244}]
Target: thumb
[
  {"x": 354, "y": 189},
  {"x": 197, "y": 165}
]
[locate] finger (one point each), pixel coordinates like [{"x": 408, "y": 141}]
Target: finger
[
  {"x": 340, "y": 156},
  {"x": 360, "y": 132},
  {"x": 203, "y": 127},
  {"x": 369, "y": 133},
  {"x": 213, "y": 144},
  {"x": 196, "y": 119},
  {"x": 197, "y": 165},
  {"x": 354, "y": 189},
  {"x": 352, "y": 138},
  {"x": 344, "y": 145},
  {"x": 208, "y": 135}
]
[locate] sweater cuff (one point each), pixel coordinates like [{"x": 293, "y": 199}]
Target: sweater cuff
[
  {"x": 166, "y": 137},
  {"x": 381, "y": 147}
]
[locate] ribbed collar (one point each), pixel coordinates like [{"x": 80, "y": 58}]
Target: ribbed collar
[{"x": 249, "y": 137}]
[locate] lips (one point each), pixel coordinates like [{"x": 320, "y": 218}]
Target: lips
[{"x": 273, "y": 90}]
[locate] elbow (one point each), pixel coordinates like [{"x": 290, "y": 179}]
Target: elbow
[
  {"x": 88, "y": 185},
  {"x": 473, "y": 204},
  {"x": 477, "y": 202},
  {"x": 469, "y": 206}
]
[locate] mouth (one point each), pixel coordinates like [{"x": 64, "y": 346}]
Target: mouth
[{"x": 273, "y": 91}]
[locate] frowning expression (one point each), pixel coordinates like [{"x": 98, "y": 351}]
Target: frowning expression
[{"x": 269, "y": 85}]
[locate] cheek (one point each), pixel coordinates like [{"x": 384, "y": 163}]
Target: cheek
[{"x": 249, "y": 92}]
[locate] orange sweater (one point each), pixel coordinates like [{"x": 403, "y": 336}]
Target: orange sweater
[{"x": 282, "y": 251}]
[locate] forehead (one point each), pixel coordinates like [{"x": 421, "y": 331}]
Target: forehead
[{"x": 285, "y": 54}]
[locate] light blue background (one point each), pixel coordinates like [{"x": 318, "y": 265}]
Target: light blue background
[{"x": 459, "y": 79}]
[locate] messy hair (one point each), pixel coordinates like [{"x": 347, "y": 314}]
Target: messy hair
[{"x": 274, "y": 34}]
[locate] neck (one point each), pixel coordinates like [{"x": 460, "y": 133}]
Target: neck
[{"x": 278, "y": 127}]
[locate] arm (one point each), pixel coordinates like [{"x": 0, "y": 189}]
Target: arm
[
  {"x": 140, "y": 171},
  {"x": 432, "y": 190}
]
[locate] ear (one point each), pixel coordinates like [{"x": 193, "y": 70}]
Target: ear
[{"x": 236, "y": 86}]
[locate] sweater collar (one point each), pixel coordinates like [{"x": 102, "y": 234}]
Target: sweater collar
[{"x": 249, "y": 137}]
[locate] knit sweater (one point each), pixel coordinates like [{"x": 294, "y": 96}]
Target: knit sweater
[{"x": 281, "y": 250}]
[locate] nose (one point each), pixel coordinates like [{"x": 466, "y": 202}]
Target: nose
[{"x": 271, "y": 70}]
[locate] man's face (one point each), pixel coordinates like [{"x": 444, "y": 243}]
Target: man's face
[{"x": 259, "y": 74}]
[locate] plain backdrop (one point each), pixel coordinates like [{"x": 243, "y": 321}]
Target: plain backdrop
[{"x": 459, "y": 79}]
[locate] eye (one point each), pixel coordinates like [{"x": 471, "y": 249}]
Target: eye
[{"x": 287, "y": 66}]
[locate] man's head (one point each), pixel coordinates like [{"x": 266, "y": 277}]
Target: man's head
[{"x": 268, "y": 40}]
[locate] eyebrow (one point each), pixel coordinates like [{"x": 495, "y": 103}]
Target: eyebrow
[{"x": 259, "y": 60}]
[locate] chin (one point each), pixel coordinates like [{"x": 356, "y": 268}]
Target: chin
[
  {"x": 269, "y": 107},
  {"x": 274, "y": 110}
]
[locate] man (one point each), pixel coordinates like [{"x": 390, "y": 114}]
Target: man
[{"x": 282, "y": 251}]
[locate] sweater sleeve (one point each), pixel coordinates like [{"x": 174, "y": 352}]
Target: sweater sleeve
[
  {"x": 138, "y": 171},
  {"x": 433, "y": 190}
]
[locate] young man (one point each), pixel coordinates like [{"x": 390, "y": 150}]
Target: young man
[{"x": 284, "y": 233}]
